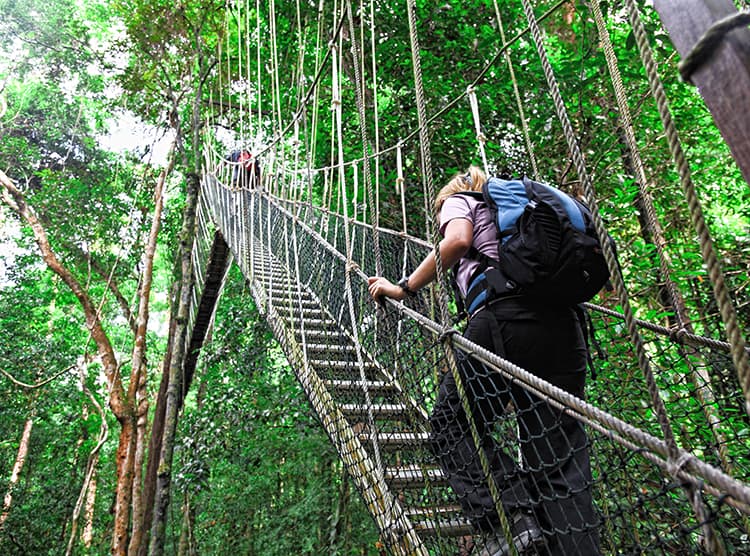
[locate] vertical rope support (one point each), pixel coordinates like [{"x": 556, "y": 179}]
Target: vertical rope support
[
  {"x": 580, "y": 165},
  {"x": 721, "y": 293},
  {"x": 258, "y": 80},
  {"x": 701, "y": 379},
  {"x": 400, "y": 183},
  {"x": 376, "y": 117},
  {"x": 359, "y": 89},
  {"x": 424, "y": 148},
  {"x": 517, "y": 94},
  {"x": 433, "y": 233},
  {"x": 481, "y": 139},
  {"x": 238, "y": 20},
  {"x": 248, "y": 65}
]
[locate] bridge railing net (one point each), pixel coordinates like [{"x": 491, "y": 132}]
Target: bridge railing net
[{"x": 640, "y": 503}]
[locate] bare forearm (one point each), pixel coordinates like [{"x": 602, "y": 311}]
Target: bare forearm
[
  {"x": 458, "y": 238},
  {"x": 450, "y": 253}
]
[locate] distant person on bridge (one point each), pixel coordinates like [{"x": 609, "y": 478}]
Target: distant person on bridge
[
  {"x": 547, "y": 497},
  {"x": 245, "y": 169}
]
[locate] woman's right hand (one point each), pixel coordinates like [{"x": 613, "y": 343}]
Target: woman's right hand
[{"x": 379, "y": 287}]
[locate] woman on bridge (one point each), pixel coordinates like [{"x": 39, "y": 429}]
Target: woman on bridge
[{"x": 547, "y": 499}]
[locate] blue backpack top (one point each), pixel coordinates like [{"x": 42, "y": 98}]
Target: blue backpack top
[{"x": 549, "y": 251}]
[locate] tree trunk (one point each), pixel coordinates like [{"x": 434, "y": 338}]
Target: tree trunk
[
  {"x": 137, "y": 389},
  {"x": 124, "y": 489},
  {"x": 87, "y": 534},
  {"x": 338, "y": 524},
  {"x": 174, "y": 390},
  {"x": 157, "y": 432},
  {"x": 139, "y": 457},
  {"x": 23, "y": 451},
  {"x": 185, "y": 547}
]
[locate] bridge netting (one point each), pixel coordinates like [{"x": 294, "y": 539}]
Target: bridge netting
[{"x": 665, "y": 416}]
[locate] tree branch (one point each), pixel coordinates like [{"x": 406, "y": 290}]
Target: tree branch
[{"x": 15, "y": 199}]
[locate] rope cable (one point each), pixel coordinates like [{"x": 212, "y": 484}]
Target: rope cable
[
  {"x": 701, "y": 379},
  {"x": 580, "y": 165},
  {"x": 721, "y": 293},
  {"x": 517, "y": 95}
]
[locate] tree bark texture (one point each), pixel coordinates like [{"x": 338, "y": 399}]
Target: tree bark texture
[
  {"x": 87, "y": 534},
  {"x": 137, "y": 388},
  {"x": 724, "y": 77},
  {"x": 23, "y": 452},
  {"x": 174, "y": 388},
  {"x": 157, "y": 432}
]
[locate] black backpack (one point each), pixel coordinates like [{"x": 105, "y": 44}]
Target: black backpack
[{"x": 549, "y": 250}]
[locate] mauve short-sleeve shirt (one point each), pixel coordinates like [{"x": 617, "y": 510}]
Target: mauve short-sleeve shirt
[{"x": 485, "y": 236}]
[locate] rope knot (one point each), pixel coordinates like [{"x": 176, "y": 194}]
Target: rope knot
[
  {"x": 677, "y": 334},
  {"x": 446, "y": 333},
  {"x": 675, "y": 466}
]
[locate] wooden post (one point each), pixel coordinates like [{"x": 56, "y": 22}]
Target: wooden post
[{"x": 724, "y": 79}]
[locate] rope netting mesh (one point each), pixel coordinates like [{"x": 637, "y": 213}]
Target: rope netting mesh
[{"x": 655, "y": 460}]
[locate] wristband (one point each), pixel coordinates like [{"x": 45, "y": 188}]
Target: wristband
[{"x": 404, "y": 285}]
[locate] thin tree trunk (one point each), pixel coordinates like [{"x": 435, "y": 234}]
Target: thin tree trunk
[
  {"x": 87, "y": 534},
  {"x": 86, "y": 496},
  {"x": 23, "y": 451},
  {"x": 342, "y": 508},
  {"x": 185, "y": 547},
  {"x": 124, "y": 489},
  {"x": 174, "y": 392},
  {"x": 137, "y": 389},
  {"x": 139, "y": 457},
  {"x": 157, "y": 432}
]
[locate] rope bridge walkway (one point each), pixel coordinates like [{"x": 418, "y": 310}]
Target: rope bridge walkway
[
  {"x": 666, "y": 418},
  {"x": 372, "y": 376}
]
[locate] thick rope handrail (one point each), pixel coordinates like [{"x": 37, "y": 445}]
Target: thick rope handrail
[
  {"x": 676, "y": 335},
  {"x": 556, "y": 395},
  {"x": 721, "y": 293}
]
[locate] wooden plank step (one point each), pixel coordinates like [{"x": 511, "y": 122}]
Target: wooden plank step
[
  {"x": 414, "y": 476},
  {"x": 306, "y": 299},
  {"x": 319, "y": 324},
  {"x": 331, "y": 348},
  {"x": 431, "y": 512},
  {"x": 320, "y": 334},
  {"x": 456, "y": 527},
  {"x": 334, "y": 364},
  {"x": 308, "y": 313},
  {"x": 394, "y": 440},
  {"x": 377, "y": 387},
  {"x": 382, "y": 411}
]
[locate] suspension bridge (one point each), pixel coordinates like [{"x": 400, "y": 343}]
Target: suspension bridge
[{"x": 666, "y": 417}]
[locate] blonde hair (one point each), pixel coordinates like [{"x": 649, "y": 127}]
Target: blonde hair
[{"x": 472, "y": 180}]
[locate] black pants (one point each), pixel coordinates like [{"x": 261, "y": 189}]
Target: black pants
[{"x": 554, "y": 477}]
